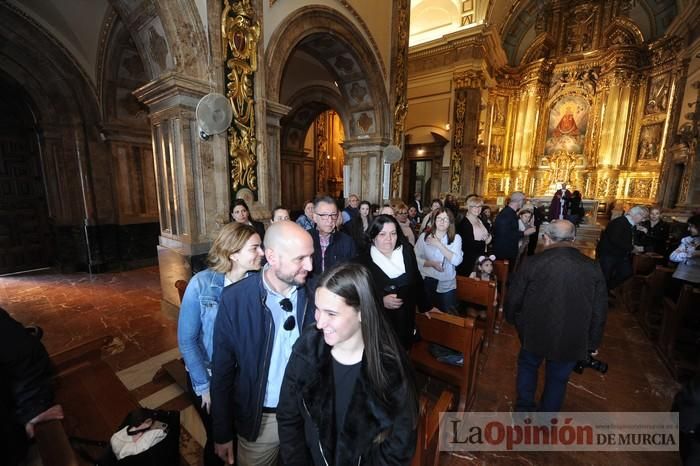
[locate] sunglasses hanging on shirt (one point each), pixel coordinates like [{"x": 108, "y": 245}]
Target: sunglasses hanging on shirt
[{"x": 291, "y": 322}]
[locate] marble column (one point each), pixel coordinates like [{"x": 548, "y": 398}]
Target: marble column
[
  {"x": 364, "y": 168},
  {"x": 275, "y": 112},
  {"x": 191, "y": 178}
]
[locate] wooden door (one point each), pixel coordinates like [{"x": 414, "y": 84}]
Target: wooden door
[{"x": 24, "y": 235}]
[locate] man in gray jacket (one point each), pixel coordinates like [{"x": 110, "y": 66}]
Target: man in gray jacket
[{"x": 558, "y": 302}]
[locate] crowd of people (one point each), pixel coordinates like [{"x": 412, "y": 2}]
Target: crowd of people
[{"x": 295, "y": 338}]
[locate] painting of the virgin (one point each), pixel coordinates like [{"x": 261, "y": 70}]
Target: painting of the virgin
[{"x": 566, "y": 130}]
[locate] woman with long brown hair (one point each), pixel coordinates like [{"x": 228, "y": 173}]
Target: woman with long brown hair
[{"x": 348, "y": 395}]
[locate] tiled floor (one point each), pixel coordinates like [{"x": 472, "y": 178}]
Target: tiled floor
[{"x": 75, "y": 308}]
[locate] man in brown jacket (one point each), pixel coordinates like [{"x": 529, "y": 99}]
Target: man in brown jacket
[{"x": 558, "y": 302}]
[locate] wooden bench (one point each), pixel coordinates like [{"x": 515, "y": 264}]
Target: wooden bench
[
  {"x": 650, "y": 308},
  {"x": 457, "y": 333},
  {"x": 181, "y": 286},
  {"x": 642, "y": 266},
  {"x": 94, "y": 402},
  {"x": 676, "y": 318},
  {"x": 482, "y": 293},
  {"x": 427, "y": 448}
]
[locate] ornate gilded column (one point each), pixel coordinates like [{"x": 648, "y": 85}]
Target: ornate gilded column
[
  {"x": 399, "y": 70},
  {"x": 240, "y": 32},
  {"x": 466, "y": 127},
  {"x": 679, "y": 76},
  {"x": 191, "y": 176}
]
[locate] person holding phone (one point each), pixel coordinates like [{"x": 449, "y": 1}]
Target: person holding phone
[
  {"x": 438, "y": 253},
  {"x": 398, "y": 282}
]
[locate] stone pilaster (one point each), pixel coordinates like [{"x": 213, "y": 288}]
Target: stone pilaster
[
  {"x": 274, "y": 112},
  {"x": 364, "y": 168},
  {"x": 191, "y": 177}
]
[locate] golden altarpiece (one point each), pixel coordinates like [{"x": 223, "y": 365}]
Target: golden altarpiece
[{"x": 591, "y": 104}]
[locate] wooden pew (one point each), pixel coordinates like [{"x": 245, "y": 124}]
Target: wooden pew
[
  {"x": 500, "y": 269},
  {"x": 181, "y": 286},
  {"x": 642, "y": 266},
  {"x": 482, "y": 293},
  {"x": 650, "y": 308},
  {"x": 176, "y": 367},
  {"x": 457, "y": 333},
  {"x": 94, "y": 402},
  {"x": 675, "y": 318},
  {"x": 427, "y": 448}
]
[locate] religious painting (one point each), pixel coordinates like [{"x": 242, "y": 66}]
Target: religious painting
[
  {"x": 657, "y": 101},
  {"x": 568, "y": 121},
  {"x": 650, "y": 142}
]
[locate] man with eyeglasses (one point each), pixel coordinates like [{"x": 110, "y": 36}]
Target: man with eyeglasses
[
  {"x": 330, "y": 245},
  {"x": 258, "y": 322}
]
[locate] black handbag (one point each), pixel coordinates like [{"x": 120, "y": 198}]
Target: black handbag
[{"x": 164, "y": 453}]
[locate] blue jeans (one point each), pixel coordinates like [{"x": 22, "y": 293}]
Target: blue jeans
[
  {"x": 447, "y": 301},
  {"x": 556, "y": 377}
]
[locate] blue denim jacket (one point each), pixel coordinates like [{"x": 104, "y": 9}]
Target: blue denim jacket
[{"x": 195, "y": 329}]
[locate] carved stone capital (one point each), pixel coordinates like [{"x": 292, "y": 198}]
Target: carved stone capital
[{"x": 171, "y": 90}]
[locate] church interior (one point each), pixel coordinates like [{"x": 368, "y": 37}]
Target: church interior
[{"x": 112, "y": 191}]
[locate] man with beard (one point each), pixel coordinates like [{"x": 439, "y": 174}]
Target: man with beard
[{"x": 259, "y": 319}]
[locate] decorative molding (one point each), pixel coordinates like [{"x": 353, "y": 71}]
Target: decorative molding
[
  {"x": 240, "y": 32},
  {"x": 401, "y": 20}
]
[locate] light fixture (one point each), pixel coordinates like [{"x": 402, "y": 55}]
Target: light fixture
[
  {"x": 420, "y": 151},
  {"x": 447, "y": 126}
]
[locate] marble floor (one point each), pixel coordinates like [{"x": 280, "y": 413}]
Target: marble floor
[{"x": 75, "y": 308}]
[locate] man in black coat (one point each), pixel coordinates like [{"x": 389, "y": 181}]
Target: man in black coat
[
  {"x": 506, "y": 232},
  {"x": 616, "y": 244},
  {"x": 26, "y": 389},
  {"x": 558, "y": 302},
  {"x": 331, "y": 246}
]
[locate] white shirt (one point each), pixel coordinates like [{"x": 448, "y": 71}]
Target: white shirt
[{"x": 447, "y": 279}]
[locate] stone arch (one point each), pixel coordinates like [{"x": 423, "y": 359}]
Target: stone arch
[
  {"x": 169, "y": 35},
  {"x": 541, "y": 47},
  {"x": 306, "y": 105},
  {"x": 353, "y": 61}
]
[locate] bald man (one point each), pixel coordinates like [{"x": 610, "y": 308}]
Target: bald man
[
  {"x": 259, "y": 319},
  {"x": 558, "y": 301}
]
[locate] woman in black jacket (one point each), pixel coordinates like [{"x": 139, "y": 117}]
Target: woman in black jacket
[
  {"x": 241, "y": 214},
  {"x": 348, "y": 396},
  {"x": 475, "y": 235},
  {"x": 398, "y": 282}
]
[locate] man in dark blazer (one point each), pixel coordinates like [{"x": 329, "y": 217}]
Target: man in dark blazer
[
  {"x": 558, "y": 302},
  {"x": 616, "y": 245},
  {"x": 506, "y": 232},
  {"x": 331, "y": 246}
]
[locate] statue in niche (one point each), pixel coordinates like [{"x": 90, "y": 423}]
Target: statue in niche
[{"x": 495, "y": 154}]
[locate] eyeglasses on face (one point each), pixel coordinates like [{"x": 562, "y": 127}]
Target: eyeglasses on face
[
  {"x": 325, "y": 217},
  {"x": 290, "y": 323},
  {"x": 402, "y": 212},
  {"x": 442, "y": 219}
]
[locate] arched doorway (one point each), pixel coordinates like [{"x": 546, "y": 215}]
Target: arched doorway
[
  {"x": 312, "y": 161},
  {"x": 24, "y": 234},
  {"x": 317, "y": 62}
]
